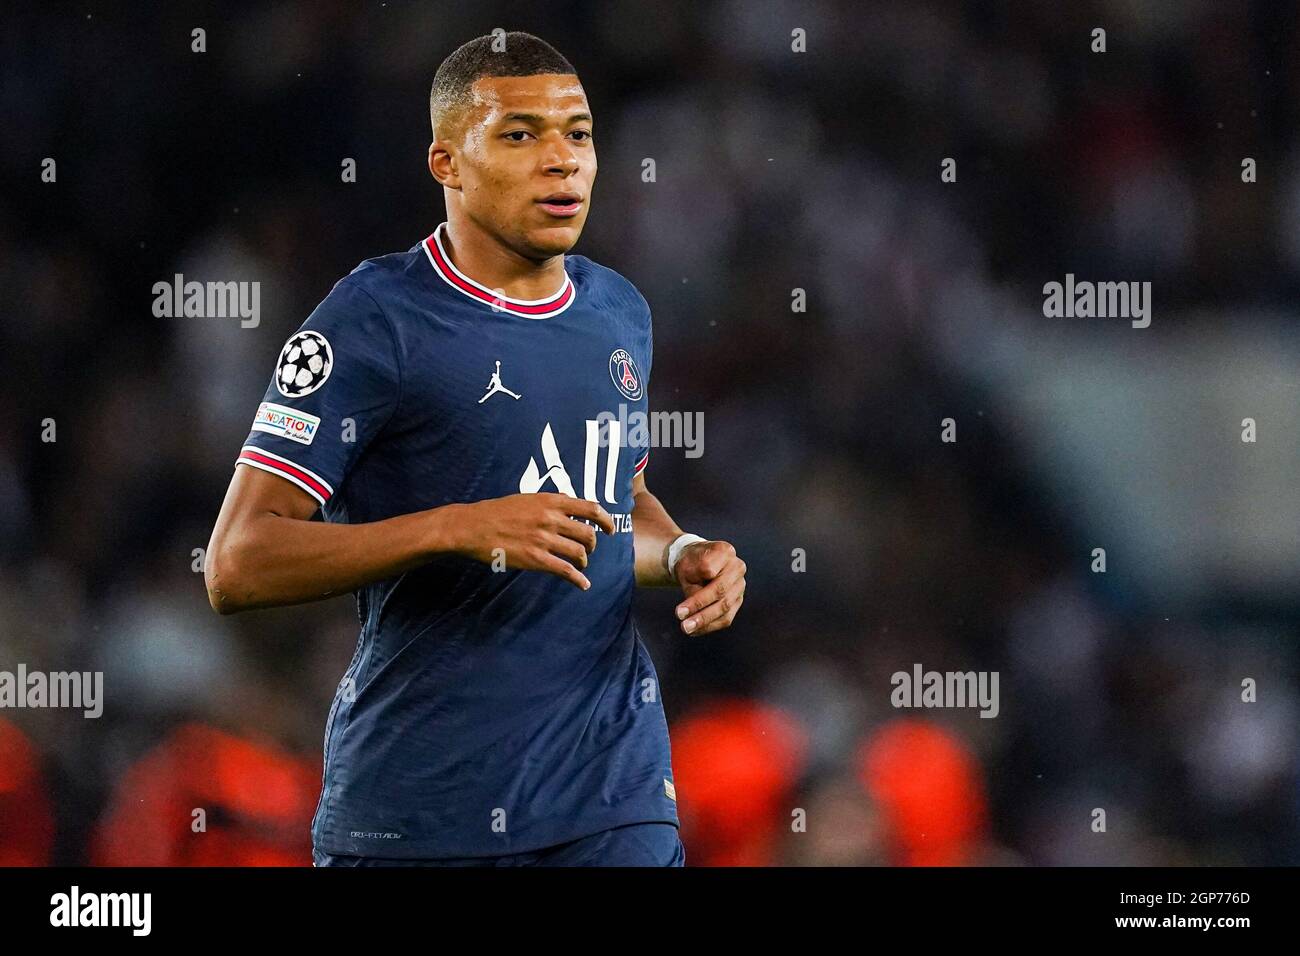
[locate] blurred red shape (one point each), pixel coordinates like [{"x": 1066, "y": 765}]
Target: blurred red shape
[
  {"x": 734, "y": 763},
  {"x": 26, "y": 821},
  {"x": 256, "y": 801},
  {"x": 930, "y": 789}
]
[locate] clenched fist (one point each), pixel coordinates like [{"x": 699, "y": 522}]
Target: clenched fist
[{"x": 712, "y": 577}]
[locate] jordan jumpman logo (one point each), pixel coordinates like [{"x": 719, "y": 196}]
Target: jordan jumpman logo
[{"x": 494, "y": 386}]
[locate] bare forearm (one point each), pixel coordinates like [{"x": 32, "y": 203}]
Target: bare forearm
[
  {"x": 276, "y": 560},
  {"x": 652, "y": 532}
]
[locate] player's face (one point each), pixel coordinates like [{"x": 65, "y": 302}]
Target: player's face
[{"x": 527, "y": 161}]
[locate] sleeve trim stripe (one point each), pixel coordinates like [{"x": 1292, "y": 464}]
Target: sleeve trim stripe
[
  {"x": 640, "y": 465},
  {"x": 304, "y": 479},
  {"x": 281, "y": 474},
  {"x": 329, "y": 489}
]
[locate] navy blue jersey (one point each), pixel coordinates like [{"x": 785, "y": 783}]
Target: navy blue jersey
[{"x": 486, "y": 711}]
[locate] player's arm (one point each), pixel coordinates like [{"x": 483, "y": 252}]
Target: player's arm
[
  {"x": 711, "y": 574},
  {"x": 266, "y": 551},
  {"x": 652, "y": 532}
]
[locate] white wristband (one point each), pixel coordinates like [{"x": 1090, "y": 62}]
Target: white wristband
[{"x": 675, "y": 549}]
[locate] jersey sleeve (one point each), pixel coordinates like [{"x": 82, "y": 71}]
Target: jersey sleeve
[
  {"x": 641, "y": 456},
  {"x": 337, "y": 383}
]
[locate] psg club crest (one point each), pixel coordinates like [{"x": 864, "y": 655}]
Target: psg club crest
[
  {"x": 305, "y": 363},
  {"x": 623, "y": 370}
]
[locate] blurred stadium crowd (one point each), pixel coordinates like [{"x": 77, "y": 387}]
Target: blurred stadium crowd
[{"x": 774, "y": 171}]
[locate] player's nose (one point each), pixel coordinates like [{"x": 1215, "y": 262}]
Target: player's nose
[
  {"x": 566, "y": 166},
  {"x": 560, "y": 158}
]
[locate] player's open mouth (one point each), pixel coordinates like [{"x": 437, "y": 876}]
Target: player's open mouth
[{"x": 561, "y": 204}]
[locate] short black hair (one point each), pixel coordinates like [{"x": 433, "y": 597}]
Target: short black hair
[{"x": 497, "y": 54}]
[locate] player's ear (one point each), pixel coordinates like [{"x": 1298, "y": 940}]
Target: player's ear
[{"x": 442, "y": 165}]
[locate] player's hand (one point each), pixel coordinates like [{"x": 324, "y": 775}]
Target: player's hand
[
  {"x": 713, "y": 579},
  {"x": 535, "y": 532}
]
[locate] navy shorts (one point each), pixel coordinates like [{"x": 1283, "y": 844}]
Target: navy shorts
[{"x": 638, "y": 844}]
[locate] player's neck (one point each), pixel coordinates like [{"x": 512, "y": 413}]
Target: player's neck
[{"x": 488, "y": 262}]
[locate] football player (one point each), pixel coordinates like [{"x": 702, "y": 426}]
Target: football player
[{"x": 453, "y": 410}]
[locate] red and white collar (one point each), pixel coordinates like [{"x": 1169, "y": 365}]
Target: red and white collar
[{"x": 527, "y": 308}]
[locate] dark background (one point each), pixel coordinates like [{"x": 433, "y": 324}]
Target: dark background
[{"x": 775, "y": 170}]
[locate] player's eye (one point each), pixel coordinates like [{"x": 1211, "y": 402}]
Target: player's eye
[
  {"x": 517, "y": 135},
  {"x": 584, "y": 135}
]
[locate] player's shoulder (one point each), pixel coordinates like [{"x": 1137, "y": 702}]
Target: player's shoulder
[
  {"x": 381, "y": 276},
  {"x": 359, "y": 306},
  {"x": 605, "y": 286},
  {"x": 367, "y": 297}
]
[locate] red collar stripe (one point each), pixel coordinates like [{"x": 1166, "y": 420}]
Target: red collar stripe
[{"x": 539, "y": 308}]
